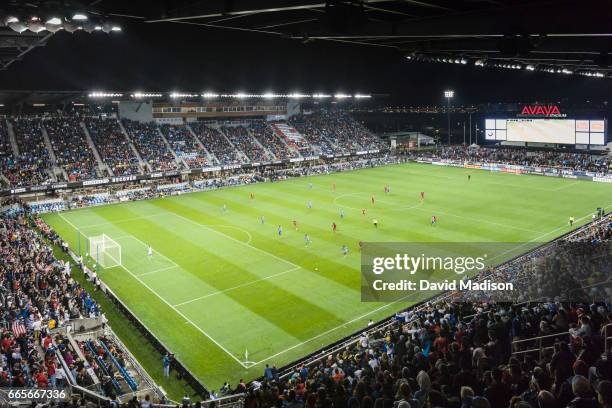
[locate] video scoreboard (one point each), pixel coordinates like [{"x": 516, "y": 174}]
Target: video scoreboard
[{"x": 538, "y": 130}]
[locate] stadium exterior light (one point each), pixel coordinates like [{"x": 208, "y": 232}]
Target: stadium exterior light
[
  {"x": 448, "y": 94},
  {"x": 269, "y": 95},
  {"x": 530, "y": 67},
  {"x": 97, "y": 94},
  {"x": 321, "y": 96},
  {"x": 35, "y": 25},
  {"x": 362, "y": 96},
  {"x": 18, "y": 26},
  {"x": 79, "y": 17},
  {"x": 54, "y": 21},
  {"x": 296, "y": 95},
  {"x": 210, "y": 95},
  {"x": 139, "y": 95},
  {"x": 342, "y": 96},
  {"x": 116, "y": 28}
]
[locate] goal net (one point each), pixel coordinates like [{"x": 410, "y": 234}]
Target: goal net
[{"x": 104, "y": 251}]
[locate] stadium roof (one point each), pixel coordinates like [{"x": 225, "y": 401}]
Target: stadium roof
[{"x": 313, "y": 46}]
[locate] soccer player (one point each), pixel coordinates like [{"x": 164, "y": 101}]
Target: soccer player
[
  {"x": 345, "y": 250},
  {"x": 433, "y": 220},
  {"x": 150, "y": 251},
  {"x": 224, "y": 209},
  {"x": 262, "y": 220},
  {"x": 334, "y": 227},
  {"x": 363, "y": 212},
  {"x": 375, "y": 222},
  {"x": 469, "y": 177},
  {"x": 310, "y": 186},
  {"x": 252, "y": 196},
  {"x": 295, "y": 225},
  {"x": 280, "y": 231},
  {"x": 334, "y": 187},
  {"x": 341, "y": 214},
  {"x": 307, "y": 240},
  {"x": 309, "y": 204},
  {"x": 372, "y": 200},
  {"x": 571, "y": 221},
  {"x": 422, "y": 195}
]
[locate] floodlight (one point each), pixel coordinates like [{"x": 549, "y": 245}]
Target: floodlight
[{"x": 79, "y": 17}]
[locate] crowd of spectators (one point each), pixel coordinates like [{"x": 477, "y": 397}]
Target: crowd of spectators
[
  {"x": 243, "y": 141},
  {"x": 33, "y": 165},
  {"x": 113, "y": 146},
  {"x": 6, "y": 151},
  {"x": 460, "y": 353},
  {"x": 335, "y": 132},
  {"x": 217, "y": 144},
  {"x": 266, "y": 137},
  {"x": 525, "y": 157},
  {"x": 150, "y": 145},
  {"x": 72, "y": 152},
  {"x": 36, "y": 296},
  {"x": 316, "y": 133},
  {"x": 185, "y": 146}
]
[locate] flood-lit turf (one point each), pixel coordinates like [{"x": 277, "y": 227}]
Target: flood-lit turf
[{"x": 221, "y": 284}]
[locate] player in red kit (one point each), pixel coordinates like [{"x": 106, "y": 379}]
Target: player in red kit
[{"x": 334, "y": 227}]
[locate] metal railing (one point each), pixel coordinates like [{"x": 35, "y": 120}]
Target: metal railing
[{"x": 539, "y": 340}]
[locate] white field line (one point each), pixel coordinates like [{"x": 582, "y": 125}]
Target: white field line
[
  {"x": 161, "y": 215},
  {"x": 158, "y": 270},
  {"x": 336, "y": 328},
  {"x": 141, "y": 217},
  {"x": 235, "y": 240},
  {"x": 566, "y": 185},
  {"x": 170, "y": 306},
  {"x": 154, "y": 250},
  {"x": 416, "y": 207},
  {"x": 238, "y": 286},
  {"x": 401, "y": 299},
  {"x": 489, "y": 182},
  {"x": 547, "y": 234},
  {"x": 478, "y": 220}
]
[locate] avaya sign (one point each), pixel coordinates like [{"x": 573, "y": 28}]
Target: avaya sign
[{"x": 541, "y": 110}]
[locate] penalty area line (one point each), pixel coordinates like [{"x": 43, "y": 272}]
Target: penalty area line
[{"x": 170, "y": 305}]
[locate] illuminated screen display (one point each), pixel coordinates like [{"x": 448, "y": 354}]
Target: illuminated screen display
[{"x": 556, "y": 131}]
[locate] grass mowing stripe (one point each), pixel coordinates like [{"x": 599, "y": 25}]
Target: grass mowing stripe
[
  {"x": 167, "y": 303},
  {"x": 241, "y": 318}
]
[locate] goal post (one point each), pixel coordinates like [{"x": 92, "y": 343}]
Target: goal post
[{"x": 104, "y": 251}]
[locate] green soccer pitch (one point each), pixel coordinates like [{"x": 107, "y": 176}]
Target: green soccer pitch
[{"x": 228, "y": 295}]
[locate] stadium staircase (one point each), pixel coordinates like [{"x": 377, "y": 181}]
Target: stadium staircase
[
  {"x": 103, "y": 168},
  {"x": 12, "y": 139},
  {"x": 242, "y": 155},
  {"x": 55, "y": 169},
  {"x": 212, "y": 159},
  {"x": 270, "y": 155},
  {"x": 141, "y": 162},
  {"x": 179, "y": 160},
  {"x": 290, "y": 136}
]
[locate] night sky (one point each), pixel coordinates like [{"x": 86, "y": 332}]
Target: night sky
[{"x": 177, "y": 57}]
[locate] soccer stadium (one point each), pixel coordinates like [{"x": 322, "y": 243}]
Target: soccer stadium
[{"x": 344, "y": 204}]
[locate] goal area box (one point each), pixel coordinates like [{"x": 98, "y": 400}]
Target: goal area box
[{"x": 104, "y": 251}]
